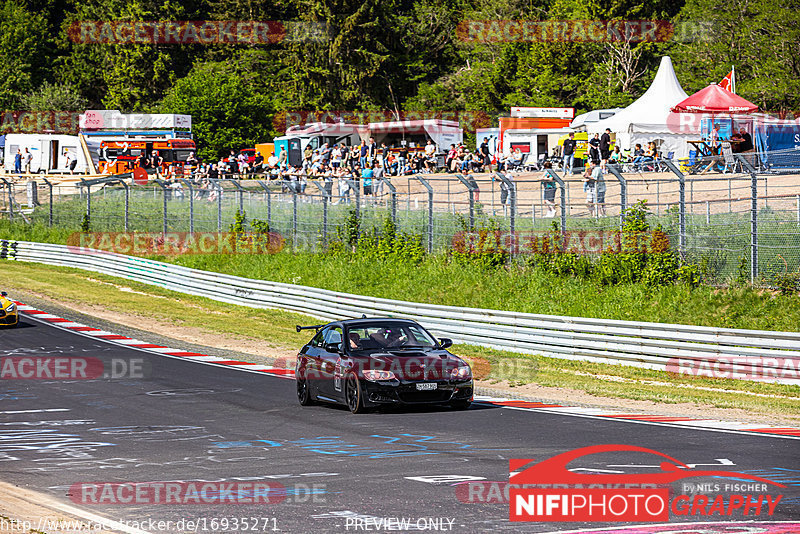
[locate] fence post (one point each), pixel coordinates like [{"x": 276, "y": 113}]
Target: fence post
[
  {"x": 326, "y": 197},
  {"x": 50, "y": 205},
  {"x": 427, "y": 186},
  {"x": 393, "y": 193},
  {"x": 560, "y": 181},
  {"x": 191, "y": 203},
  {"x": 10, "y": 199},
  {"x": 127, "y": 204},
  {"x": 471, "y": 187},
  {"x": 798, "y": 208},
  {"x": 88, "y": 199},
  {"x": 681, "y": 206},
  {"x": 164, "y": 201},
  {"x": 218, "y": 186},
  {"x": 294, "y": 217},
  {"x": 708, "y": 212},
  {"x": 354, "y": 185},
  {"x": 511, "y": 187},
  {"x": 623, "y": 190},
  {"x": 239, "y": 192},
  {"x": 753, "y": 228},
  {"x": 264, "y": 185}
]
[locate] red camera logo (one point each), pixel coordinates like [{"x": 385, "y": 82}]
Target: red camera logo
[{"x": 548, "y": 491}]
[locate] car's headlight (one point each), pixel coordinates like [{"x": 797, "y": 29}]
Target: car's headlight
[
  {"x": 373, "y": 375},
  {"x": 11, "y": 307},
  {"x": 461, "y": 373}
]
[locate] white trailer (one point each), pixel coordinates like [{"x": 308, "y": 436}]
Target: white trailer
[{"x": 50, "y": 153}]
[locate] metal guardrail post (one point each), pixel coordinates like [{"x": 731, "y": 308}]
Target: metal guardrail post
[
  {"x": 10, "y": 199},
  {"x": 427, "y": 186},
  {"x": 393, "y": 194},
  {"x": 50, "y": 204},
  {"x": 753, "y": 228},
  {"x": 681, "y": 206},
  {"x": 511, "y": 187},
  {"x": 326, "y": 197},
  {"x": 264, "y": 185},
  {"x": 623, "y": 190},
  {"x": 191, "y": 203},
  {"x": 560, "y": 181},
  {"x": 240, "y": 192},
  {"x": 471, "y": 188},
  {"x": 745, "y": 164},
  {"x": 164, "y": 202}
]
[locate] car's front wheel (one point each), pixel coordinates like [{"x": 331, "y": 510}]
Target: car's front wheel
[
  {"x": 353, "y": 394},
  {"x": 303, "y": 392}
]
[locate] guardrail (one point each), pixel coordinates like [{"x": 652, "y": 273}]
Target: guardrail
[{"x": 693, "y": 350}]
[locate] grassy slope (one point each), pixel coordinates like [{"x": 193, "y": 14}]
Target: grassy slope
[{"x": 71, "y": 285}]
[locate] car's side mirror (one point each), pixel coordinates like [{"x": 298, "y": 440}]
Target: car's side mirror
[
  {"x": 332, "y": 347},
  {"x": 3, "y": 293},
  {"x": 445, "y": 343}
]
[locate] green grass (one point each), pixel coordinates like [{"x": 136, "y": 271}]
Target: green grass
[{"x": 276, "y": 329}]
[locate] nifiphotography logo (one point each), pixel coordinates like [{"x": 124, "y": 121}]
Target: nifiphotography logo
[{"x": 548, "y": 491}]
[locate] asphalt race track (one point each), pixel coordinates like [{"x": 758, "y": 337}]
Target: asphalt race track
[{"x": 332, "y": 471}]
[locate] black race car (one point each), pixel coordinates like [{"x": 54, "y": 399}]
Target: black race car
[{"x": 364, "y": 363}]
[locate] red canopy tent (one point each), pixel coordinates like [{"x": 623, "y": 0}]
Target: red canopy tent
[{"x": 715, "y": 99}]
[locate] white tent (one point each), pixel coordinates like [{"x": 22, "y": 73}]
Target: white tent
[{"x": 649, "y": 118}]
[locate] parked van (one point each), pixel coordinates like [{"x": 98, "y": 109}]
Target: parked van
[{"x": 50, "y": 152}]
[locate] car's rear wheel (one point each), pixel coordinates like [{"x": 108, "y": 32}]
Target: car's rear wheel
[
  {"x": 303, "y": 392},
  {"x": 460, "y": 404},
  {"x": 352, "y": 394}
]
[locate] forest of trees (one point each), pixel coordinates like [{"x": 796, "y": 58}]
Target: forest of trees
[{"x": 382, "y": 54}]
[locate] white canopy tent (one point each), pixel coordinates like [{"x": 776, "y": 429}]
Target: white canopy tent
[{"x": 649, "y": 118}]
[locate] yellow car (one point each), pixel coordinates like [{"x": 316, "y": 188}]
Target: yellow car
[{"x": 8, "y": 311}]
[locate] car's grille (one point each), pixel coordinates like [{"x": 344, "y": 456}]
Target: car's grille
[
  {"x": 439, "y": 395},
  {"x": 8, "y": 319}
]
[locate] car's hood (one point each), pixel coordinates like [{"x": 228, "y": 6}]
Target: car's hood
[{"x": 414, "y": 364}]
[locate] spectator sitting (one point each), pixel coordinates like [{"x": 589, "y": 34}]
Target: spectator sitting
[{"x": 638, "y": 157}]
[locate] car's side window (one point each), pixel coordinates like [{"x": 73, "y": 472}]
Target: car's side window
[
  {"x": 333, "y": 336},
  {"x": 316, "y": 341}
]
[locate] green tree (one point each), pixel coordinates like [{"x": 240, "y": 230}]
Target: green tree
[
  {"x": 229, "y": 109},
  {"x": 759, "y": 37},
  {"x": 24, "y": 44},
  {"x": 50, "y": 96}
]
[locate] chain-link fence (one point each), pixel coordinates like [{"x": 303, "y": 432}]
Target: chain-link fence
[{"x": 742, "y": 223}]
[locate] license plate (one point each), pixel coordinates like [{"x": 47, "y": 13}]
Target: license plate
[{"x": 424, "y": 386}]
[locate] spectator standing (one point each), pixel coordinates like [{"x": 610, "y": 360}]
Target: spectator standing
[
  {"x": 363, "y": 154},
  {"x": 336, "y": 157},
  {"x": 549, "y": 186},
  {"x": 594, "y": 148},
  {"x": 402, "y": 159},
  {"x": 258, "y": 163},
  {"x": 385, "y": 157},
  {"x": 589, "y": 187},
  {"x": 377, "y": 184},
  {"x": 68, "y": 158},
  {"x": 373, "y": 150},
  {"x": 18, "y": 162},
  {"x": 605, "y": 147},
  {"x": 156, "y": 161},
  {"x": 28, "y": 158},
  {"x": 569, "y": 154},
  {"x": 430, "y": 156},
  {"x": 486, "y": 156},
  {"x": 366, "y": 179}
]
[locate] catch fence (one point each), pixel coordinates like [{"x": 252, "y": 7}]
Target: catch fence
[{"x": 737, "y": 224}]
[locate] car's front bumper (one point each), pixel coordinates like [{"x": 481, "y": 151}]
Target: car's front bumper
[
  {"x": 8, "y": 319},
  {"x": 406, "y": 392}
]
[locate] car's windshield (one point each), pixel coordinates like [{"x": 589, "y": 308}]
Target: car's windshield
[{"x": 377, "y": 335}]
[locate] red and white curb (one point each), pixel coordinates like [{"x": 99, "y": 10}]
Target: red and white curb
[
  {"x": 512, "y": 404},
  {"x": 150, "y": 347}
]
